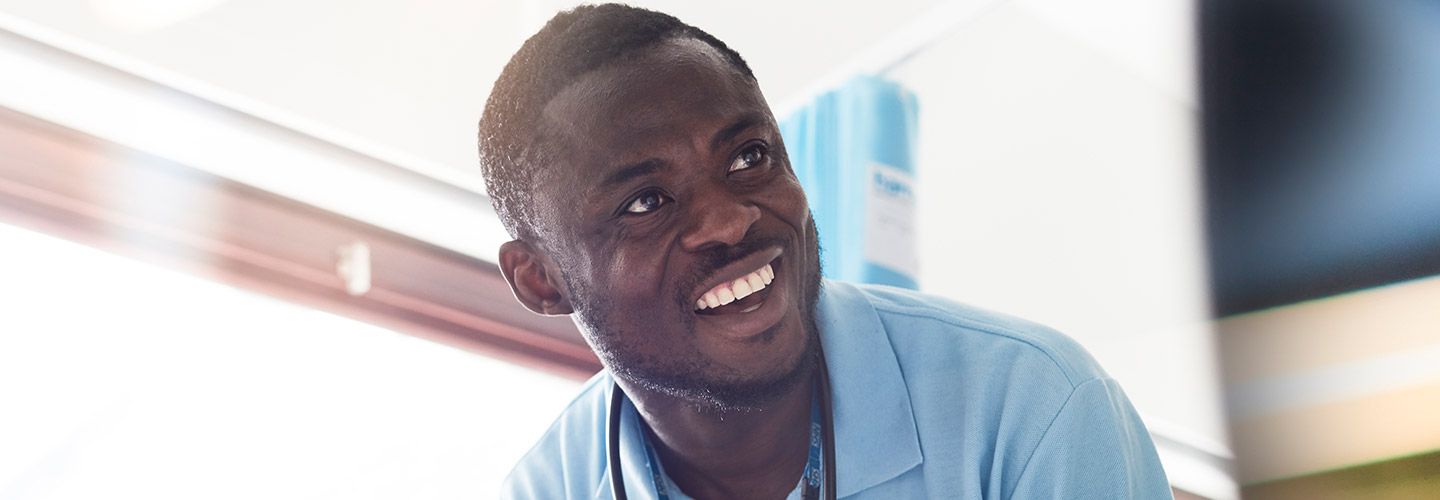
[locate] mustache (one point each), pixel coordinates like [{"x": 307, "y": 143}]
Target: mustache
[{"x": 711, "y": 260}]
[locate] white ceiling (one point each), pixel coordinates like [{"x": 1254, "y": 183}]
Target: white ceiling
[
  {"x": 410, "y": 77},
  {"x": 404, "y": 80}
]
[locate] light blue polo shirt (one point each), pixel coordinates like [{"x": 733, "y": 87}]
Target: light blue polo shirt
[{"x": 932, "y": 399}]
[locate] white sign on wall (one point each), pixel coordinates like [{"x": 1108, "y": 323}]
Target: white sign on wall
[{"x": 890, "y": 219}]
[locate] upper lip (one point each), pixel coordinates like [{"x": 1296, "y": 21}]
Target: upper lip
[{"x": 735, "y": 270}]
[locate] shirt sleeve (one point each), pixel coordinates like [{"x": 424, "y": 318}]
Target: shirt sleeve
[{"x": 1096, "y": 447}]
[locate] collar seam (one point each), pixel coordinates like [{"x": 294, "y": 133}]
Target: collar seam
[{"x": 1024, "y": 469}]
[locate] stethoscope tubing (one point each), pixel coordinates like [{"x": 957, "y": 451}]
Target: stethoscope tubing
[{"x": 612, "y": 443}]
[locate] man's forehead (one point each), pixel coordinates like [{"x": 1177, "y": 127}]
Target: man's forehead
[
  {"x": 668, "y": 96},
  {"x": 650, "y": 88}
]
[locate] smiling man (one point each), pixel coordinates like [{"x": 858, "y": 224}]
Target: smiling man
[{"x": 642, "y": 175}]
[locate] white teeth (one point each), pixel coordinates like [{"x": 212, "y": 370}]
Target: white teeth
[
  {"x": 726, "y": 296},
  {"x": 742, "y": 288},
  {"x": 735, "y": 290},
  {"x": 756, "y": 282}
]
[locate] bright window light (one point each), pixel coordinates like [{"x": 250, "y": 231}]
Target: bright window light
[{"x": 121, "y": 379}]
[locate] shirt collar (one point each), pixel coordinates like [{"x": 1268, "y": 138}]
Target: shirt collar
[{"x": 875, "y": 434}]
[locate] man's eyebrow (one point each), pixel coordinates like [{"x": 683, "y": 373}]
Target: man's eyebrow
[
  {"x": 728, "y": 133},
  {"x": 628, "y": 172}
]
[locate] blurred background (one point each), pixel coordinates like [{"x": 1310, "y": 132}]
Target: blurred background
[
  {"x": 1323, "y": 208},
  {"x": 245, "y": 250}
]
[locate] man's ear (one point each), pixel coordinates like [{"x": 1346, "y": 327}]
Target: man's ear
[{"x": 534, "y": 285}]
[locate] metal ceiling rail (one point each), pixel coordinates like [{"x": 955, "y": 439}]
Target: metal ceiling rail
[
  {"x": 82, "y": 86},
  {"x": 109, "y": 196}
]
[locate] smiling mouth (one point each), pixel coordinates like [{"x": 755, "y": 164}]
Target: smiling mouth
[{"x": 741, "y": 295}]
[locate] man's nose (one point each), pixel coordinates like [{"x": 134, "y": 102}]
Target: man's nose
[{"x": 718, "y": 217}]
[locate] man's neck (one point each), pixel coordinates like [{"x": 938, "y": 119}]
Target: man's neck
[{"x": 760, "y": 453}]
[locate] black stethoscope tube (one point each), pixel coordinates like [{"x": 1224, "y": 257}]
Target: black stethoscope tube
[
  {"x": 612, "y": 444},
  {"x": 827, "y": 431}
]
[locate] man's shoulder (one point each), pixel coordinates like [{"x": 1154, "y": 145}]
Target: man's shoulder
[
  {"x": 917, "y": 321},
  {"x": 568, "y": 460},
  {"x": 994, "y": 396}
]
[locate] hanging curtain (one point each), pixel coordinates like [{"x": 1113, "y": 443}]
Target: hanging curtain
[{"x": 852, "y": 149}]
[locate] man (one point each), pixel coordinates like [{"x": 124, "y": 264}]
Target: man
[{"x": 644, "y": 179}]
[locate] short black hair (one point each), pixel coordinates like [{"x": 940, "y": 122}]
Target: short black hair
[{"x": 573, "y": 43}]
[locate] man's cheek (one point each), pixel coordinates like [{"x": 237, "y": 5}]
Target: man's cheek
[{"x": 636, "y": 276}]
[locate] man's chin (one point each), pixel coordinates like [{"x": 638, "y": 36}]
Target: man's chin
[
  {"x": 728, "y": 390},
  {"x": 710, "y": 386},
  {"x": 728, "y": 395}
]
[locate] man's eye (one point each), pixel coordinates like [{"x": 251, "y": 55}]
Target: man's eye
[
  {"x": 751, "y": 156},
  {"x": 646, "y": 202}
]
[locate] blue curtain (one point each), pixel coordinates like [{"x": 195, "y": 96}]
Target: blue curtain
[{"x": 852, "y": 150}]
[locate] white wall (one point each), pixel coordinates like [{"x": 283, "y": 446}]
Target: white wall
[{"x": 1059, "y": 181}]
